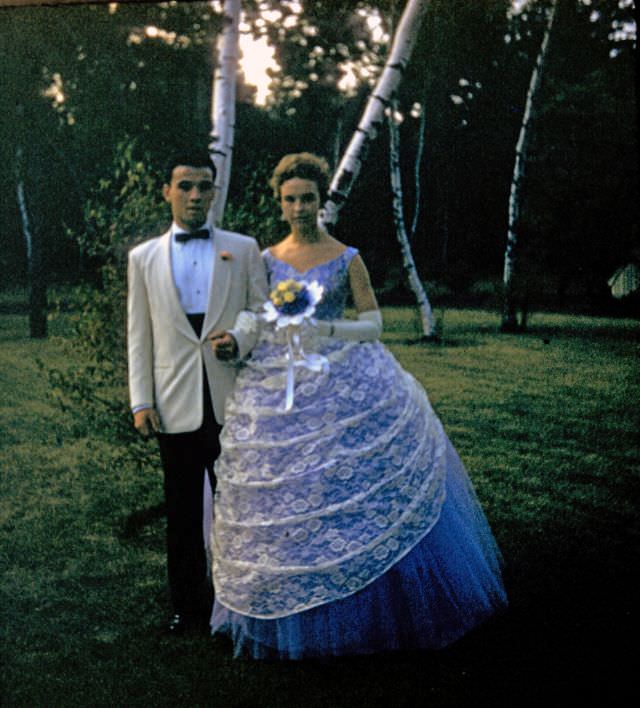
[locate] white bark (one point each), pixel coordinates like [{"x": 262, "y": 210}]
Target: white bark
[
  {"x": 508, "y": 317},
  {"x": 223, "y": 118},
  {"x": 373, "y": 115},
  {"x": 417, "y": 177},
  {"x": 22, "y": 205},
  {"x": 426, "y": 313},
  {"x": 35, "y": 273},
  {"x": 224, "y": 106}
]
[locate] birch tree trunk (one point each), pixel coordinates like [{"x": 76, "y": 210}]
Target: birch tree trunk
[
  {"x": 223, "y": 117},
  {"x": 37, "y": 286},
  {"x": 509, "y": 318},
  {"x": 416, "y": 171},
  {"x": 424, "y": 306},
  {"x": 22, "y": 205},
  {"x": 223, "y": 110},
  {"x": 373, "y": 115}
]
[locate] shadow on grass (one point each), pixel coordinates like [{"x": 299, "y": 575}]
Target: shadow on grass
[
  {"x": 199, "y": 670},
  {"x": 443, "y": 342},
  {"x": 604, "y": 332},
  {"x": 569, "y": 630},
  {"x": 136, "y": 522}
]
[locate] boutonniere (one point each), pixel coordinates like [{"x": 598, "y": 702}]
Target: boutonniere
[{"x": 226, "y": 256}]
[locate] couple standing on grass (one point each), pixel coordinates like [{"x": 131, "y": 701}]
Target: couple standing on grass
[{"x": 343, "y": 525}]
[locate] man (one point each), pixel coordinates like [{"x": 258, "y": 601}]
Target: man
[{"x": 191, "y": 291}]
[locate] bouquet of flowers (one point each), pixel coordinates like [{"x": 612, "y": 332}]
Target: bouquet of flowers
[{"x": 291, "y": 303}]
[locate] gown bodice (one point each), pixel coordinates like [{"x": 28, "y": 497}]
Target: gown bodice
[{"x": 333, "y": 275}]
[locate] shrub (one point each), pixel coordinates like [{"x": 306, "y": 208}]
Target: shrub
[
  {"x": 254, "y": 211},
  {"x": 122, "y": 210}
]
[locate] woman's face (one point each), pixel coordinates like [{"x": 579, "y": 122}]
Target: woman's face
[{"x": 300, "y": 202}]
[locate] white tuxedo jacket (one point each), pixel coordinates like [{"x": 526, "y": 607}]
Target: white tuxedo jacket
[{"x": 165, "y": 354}]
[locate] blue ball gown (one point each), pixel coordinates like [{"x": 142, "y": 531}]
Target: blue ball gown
[{"x": 348, "y": 524}]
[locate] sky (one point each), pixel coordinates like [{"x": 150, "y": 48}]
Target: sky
[{"x": 257, "y": 57}]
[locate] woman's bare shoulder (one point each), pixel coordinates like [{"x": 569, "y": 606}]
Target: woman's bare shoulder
[{"x": 332, "y": 244}]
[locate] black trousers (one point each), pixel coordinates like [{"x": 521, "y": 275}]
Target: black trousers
[{"x": 185, "y": 457}]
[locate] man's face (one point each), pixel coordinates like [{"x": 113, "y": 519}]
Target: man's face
[{"x": 190, "y": 195}]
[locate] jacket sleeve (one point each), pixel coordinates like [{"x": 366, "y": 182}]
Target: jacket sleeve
[
  {"x": 139, "y": 337},
  {"x": 246, "y": 328}
]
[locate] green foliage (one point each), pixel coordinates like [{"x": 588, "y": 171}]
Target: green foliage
[
  {"x": 76, "y": 79},
  {"x": 253, "y": 210},
  {"x": 437, "y": 292},
  {"x": 124, "y": 209}
]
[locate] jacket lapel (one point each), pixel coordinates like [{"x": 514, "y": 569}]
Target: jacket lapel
[
  {"x": 220, "y": 283},
  {"x": 172, "y": 299}
]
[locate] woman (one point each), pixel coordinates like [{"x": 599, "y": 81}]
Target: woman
[{"x": 346, "y": 525}]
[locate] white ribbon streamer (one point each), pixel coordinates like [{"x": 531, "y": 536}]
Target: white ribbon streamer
[{"x": 297, "y": 358}]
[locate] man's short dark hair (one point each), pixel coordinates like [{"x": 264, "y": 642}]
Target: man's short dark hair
[{"x": 188, "y": 158}]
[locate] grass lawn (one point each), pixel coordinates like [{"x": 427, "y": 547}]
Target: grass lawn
[{"x": 546, "y": 423}]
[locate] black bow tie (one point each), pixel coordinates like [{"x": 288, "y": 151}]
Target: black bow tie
[{"x": 200, "y": 233}]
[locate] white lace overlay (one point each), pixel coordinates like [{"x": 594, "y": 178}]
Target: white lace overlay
[{"x": 315, "y": 504}]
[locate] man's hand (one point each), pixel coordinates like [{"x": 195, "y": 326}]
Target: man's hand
[
  {"x": 146, "y": 421},
  {"x": 224, "y": 345}
]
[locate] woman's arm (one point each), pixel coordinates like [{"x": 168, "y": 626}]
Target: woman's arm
[
  {"x": 364, "y": 298},
  {"x": 368, "y": 326}
]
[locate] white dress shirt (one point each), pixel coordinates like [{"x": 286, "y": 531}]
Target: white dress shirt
[{"x": 192, "y": 265}]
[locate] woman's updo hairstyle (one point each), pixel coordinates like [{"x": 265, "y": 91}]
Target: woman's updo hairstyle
[{"x": 304, "y": 165}]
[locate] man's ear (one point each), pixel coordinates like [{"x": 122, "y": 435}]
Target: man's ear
[{"x": 166, "y": 188}]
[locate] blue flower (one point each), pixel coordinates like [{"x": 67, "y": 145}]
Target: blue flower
[{"x": 299, "y": 305}]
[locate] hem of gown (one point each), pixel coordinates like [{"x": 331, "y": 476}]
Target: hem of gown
[{"x": 446, "y": 585}]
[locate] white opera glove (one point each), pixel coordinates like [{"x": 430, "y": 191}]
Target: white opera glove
[
  {"x": 246, "y": 322},
  {"x": 367, "y": 328}
]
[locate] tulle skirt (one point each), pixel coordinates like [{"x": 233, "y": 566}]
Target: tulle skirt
[{"x": 446, "y": 585}]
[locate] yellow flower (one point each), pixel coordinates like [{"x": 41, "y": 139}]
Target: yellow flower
[{"x": 285, "y": 291}]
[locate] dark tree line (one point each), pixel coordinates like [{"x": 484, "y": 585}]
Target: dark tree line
[{"x": 469, "y": 74}]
